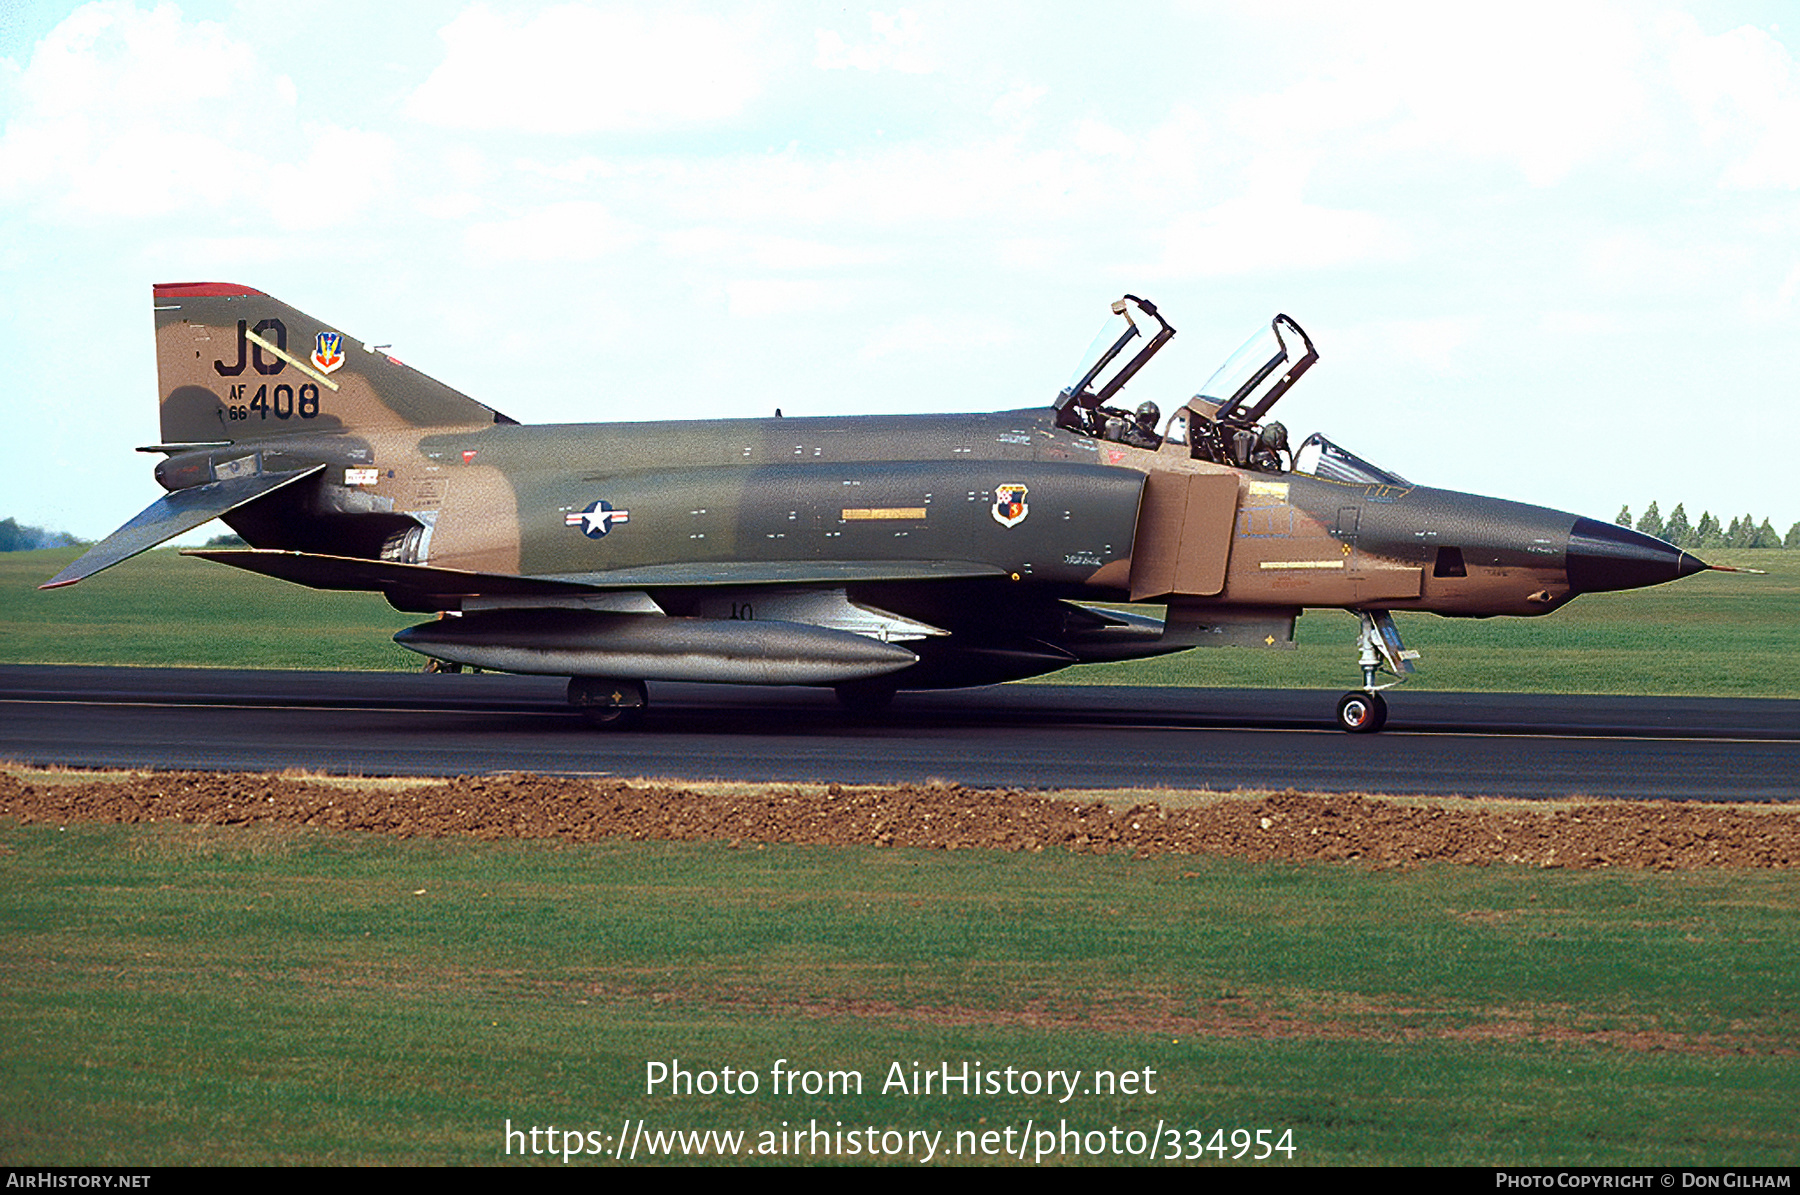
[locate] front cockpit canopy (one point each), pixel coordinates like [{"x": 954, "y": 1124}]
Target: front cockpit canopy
[{"x": 1130, "y": 338}]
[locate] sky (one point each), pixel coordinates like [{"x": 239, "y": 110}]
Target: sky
[{"x": 1548, "y": 252}]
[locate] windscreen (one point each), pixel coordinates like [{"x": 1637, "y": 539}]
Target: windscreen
[{"x": 1321, "y": 458}]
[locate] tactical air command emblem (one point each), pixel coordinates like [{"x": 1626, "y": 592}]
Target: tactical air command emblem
[
  {"x": 1009, "y": 507},
  {"x": 328, "y": 352},
  {"x": 597, "y": 519}
]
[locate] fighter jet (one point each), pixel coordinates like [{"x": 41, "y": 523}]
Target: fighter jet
[{"x": 865, "y": 553}]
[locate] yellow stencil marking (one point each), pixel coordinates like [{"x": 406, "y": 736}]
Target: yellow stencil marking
[{"x": 866, "y": 513}]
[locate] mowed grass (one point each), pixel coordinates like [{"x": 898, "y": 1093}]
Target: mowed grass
[
  {"x": 181, "y": 995},
  {"x": 1709, "y": 635},
  {"x": 1714, "y": 634},
  {"x": 166, "y": 610}
]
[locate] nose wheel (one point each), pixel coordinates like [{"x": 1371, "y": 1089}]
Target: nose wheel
[
  {"x": 1364, "y": 711},
  {"x": 1361, "y": 712}
]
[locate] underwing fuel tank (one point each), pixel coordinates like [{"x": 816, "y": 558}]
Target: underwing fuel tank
[{"x": 654, "y": 647}]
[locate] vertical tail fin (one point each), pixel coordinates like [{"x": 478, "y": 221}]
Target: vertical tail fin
[{"x": 234, "y": 364}]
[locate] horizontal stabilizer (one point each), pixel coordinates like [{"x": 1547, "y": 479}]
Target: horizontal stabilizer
[{"x": 171, "y": 515}]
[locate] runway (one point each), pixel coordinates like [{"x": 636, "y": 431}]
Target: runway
[{"x": 1038, "y": 736}]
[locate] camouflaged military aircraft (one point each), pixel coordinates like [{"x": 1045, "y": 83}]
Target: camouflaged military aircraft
[{"x": 866, "y": 553}]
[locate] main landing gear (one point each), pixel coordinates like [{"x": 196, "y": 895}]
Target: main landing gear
[
  {"x": 1364, "y": 710},
  {"x": 864, "y": 698},
  {"x": 608, "y": 704}
]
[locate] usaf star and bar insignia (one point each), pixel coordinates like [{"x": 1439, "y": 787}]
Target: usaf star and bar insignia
[{"x": 597, "y": 519}]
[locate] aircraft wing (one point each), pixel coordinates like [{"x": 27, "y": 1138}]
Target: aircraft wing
[
  {"x": 171, "y": 515},
  {"x": 321, "y": 571}
]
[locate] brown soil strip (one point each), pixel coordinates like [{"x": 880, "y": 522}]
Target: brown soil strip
[{"x": 1290, "y": 826}]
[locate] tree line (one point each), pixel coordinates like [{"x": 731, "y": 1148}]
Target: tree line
[
  {"x": 1744, "y": 532},
  {"x": 14, "y": 538}
]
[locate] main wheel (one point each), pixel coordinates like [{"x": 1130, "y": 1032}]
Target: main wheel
[
  {"x": 608, "y": 704},
  {"x": 864, "y": 698},
  {"x": 1361, "y": 712}
]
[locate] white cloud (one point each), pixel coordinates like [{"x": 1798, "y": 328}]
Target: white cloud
[
  {"x": 132, "y": 114},
  {"x": 126, "y": 112},
  {"x": 577, "y": 69},
  {"x": 1401, "y": 347},
  {"x": 1270, "y": 227},
  {"x": 346, "y": 171},
  {"x": 573, "y": 231},
  {"x": 941, "y": 336},
  {"x": 1744, "y": 92},
  {"x": 726, "y": 249},
  {"x": 896, "y": 46},
  {"x": 1018, "y": 105},
  {"x": 758, "y": 298},
  {"x": 1544, "y": 86}
]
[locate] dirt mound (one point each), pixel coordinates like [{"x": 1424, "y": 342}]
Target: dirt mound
[{"x": 1293, "y": 826}]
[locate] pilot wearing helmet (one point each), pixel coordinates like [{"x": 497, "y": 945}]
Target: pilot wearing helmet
[{"x": 1139, "y": 430}]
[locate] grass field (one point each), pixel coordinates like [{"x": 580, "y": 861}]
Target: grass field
[
  {"x": 191, "y": 996},
  {"x": 1715, "y": 634},
  {"x": 247, "y": 995}
]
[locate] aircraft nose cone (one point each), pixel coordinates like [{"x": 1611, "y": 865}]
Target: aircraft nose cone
[{"x": 1604, "y": 556}]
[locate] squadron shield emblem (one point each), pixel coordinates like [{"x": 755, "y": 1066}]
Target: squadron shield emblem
[
  {"x": 597, "y": 519},
  {"x": 1009, "y": 507},
  {"x": 328, "y": 352}
]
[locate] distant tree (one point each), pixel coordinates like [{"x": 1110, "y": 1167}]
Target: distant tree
[
  {"x": 14, "y": 538},
  {"x": 1624, "y": 519},
  {"x": 227, "y": 541},
  {"x": 1733, "y": 537},
  {"x": 1706, "y": 532},
  {"x": 1746, "y": 535},
  {"x": 1676, "y": 530},
  {"x": 1793, "y": 537},
  {"x": 1766, "y": 536},
  {"x": 1651, "y": 523}
]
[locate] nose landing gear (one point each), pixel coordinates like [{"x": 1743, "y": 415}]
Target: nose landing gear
[{"x": 1364, "y": 711}]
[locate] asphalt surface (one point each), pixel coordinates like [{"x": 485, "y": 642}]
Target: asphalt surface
[{"x": 1040, "y": 736}]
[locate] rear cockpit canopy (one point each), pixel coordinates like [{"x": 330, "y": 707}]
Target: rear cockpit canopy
[{"x": 1255, "y": 377}]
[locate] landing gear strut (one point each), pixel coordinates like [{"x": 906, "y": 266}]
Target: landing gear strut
[
  {"x": 1364, "y": 711},
  {"x": 608, "y": 704}
]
